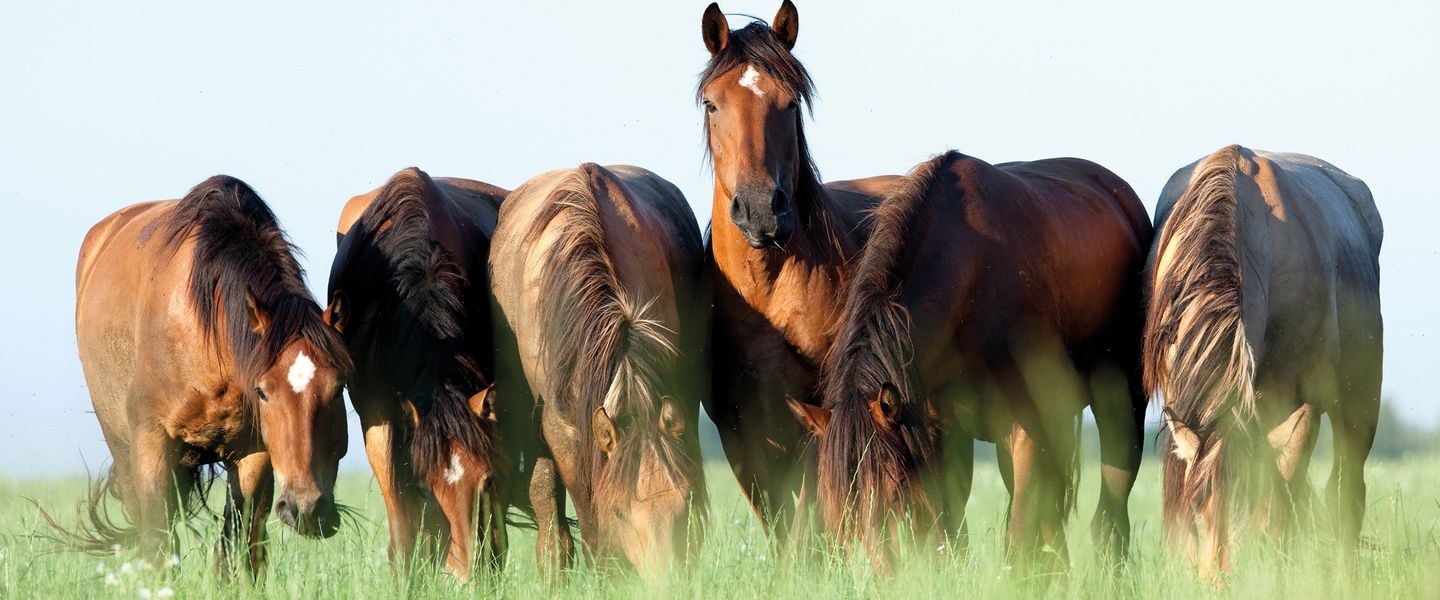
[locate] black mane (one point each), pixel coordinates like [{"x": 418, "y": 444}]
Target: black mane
[
  {"x": 407, "y": 320},
  {"x": 872, "y": 352},
  {"x": 241, "y": 254}
]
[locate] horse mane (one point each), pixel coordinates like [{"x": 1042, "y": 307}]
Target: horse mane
[
  {"x": 1195, "y": 311},
  {"x": 600, "y": 344},
  {"x": 242, "y": 255},
  {"x": 872, "y": 352},
  {"x": 423, "y": 315},
  {"x": 758, "y": 45}
]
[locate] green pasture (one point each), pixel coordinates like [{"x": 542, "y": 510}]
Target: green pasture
[{"x": 1401, "y": 558}]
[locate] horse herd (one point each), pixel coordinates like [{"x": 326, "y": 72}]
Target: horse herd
[{"x": 851, "y": 340}]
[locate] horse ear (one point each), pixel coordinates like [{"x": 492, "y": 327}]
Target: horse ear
[
  {"x": 787, "y": 24},
  {"x": 483, "y": 403},
  {"x": 672, "y": 422},
  {"x": 885, "y": 408},
  {"x": 814, "y": 418},
  {"x": 1187, "y": 442},
  {"x": 336, "y": 314},
  {"x": 259, "y": 321},
  {"x": 715, "y": 29},
  {"x": 604, "y": 431}
]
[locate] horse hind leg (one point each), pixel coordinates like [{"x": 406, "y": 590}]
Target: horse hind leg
[
  {"x": 1118, "y": 404},
  {"x": 1353, "y": 421}
]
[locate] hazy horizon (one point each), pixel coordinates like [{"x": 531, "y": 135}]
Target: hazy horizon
[{"x": 111, "y": 104}]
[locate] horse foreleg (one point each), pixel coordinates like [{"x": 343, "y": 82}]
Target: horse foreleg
[
  {"x": 1120, "y": 417},
  {"x": 958, "y": 478},
  {"x": 1035, "y": 534},
  {"x": 158, "y": 483},
  {"x": 403, "y": 506},
  {"x": 251, "y": 484},
  {"x": 554, "y": 547}
]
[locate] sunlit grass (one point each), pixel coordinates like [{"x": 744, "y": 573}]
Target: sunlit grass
[{"x": 738, "y": 562}]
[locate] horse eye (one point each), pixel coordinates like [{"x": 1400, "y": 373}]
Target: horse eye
[
  {"x": 261, "y": 393},
  {"x": 710, "y": 108},
  {"x": 793, "y": 106}
]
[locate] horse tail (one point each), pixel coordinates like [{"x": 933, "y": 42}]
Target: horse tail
[
  {"x": 1195, "y": 350},
  {"x": 99, "y": 532}
]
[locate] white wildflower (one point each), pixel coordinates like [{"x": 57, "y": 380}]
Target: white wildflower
[
  {"x": 144, "y": 593},
  {"x": 110, "y": 579},
  {"x": 100, "y": 567},
  {"x": 116, "y": 548},
  {"x": 173, "y": 561},
  {"x": 125, "y": 568},
  {"x": 165, "y": 592}
]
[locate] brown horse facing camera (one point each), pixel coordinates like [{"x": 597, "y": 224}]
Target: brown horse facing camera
[
  {"x": 201, "y": 344},
  {"x": 597, "y": 279},
  {"x": 410, "y": 292},
  {"x": 1264, "y": 314},
  {"x": 780, "y": 246},
  {"x": 991, "y": 302}
]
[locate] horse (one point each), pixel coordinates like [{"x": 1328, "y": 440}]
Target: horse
[
  {"x": 201, "y": 345},
  {"x": 991, "y": 302},
  {"x": 601, "y": 329},
  {"x": 777, "y": 264},
  {"x": 1264, "y": 313},
  {"x": 409, "y": 291}
]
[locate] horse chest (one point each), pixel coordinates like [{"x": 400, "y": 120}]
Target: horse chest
[
  {"x": 214, "y": 423},
  {"x": 797, "y": 303}
]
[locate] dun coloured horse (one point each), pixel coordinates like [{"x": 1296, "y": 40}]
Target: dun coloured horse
[
  {"x": 410, "y": 292},
  {"x": 201, "y": 345},
  {"x": 991, "y": 302},
  {"x": 779, "y": 250},
  {"x": 597, "y": 279},
  {"x": 1264, "y": 314}
]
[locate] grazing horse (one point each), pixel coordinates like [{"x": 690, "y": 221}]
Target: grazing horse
[
  {"x": 1264, "y": 313},
  {"x": 777, "y": 256},
  {"x": 597, "y": 275},
  {"x": 991, "y": 302},
  {"x": 201, "y": 345},
  {"x": 410, "y": 293}
]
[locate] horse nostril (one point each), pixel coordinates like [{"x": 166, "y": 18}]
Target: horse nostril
[
  {"x": 777, "y": 201},
  {"x": 737, "y": 210},
  {"x": 284, "y": 509}
]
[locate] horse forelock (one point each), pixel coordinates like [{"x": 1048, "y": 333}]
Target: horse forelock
[
  {"x": 603, "y": 348},
  {"x": 1196, "y": 354},
  {"x": 241, "y": 254}
]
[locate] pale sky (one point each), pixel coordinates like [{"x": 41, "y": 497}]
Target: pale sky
[{"x": 104, "y": 104}]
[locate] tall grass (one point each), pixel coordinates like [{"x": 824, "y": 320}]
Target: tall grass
[{"x": 1402, "y": 559}]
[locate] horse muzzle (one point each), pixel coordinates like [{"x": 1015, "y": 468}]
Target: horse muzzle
[
  {"x": 312, "y": 515},
  {"x": 764, "y": 217}
]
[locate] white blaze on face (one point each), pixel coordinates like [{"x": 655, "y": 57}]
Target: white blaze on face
[
  {"x": 301, "y": 372},
  {"x": 751, "y": 80},
  {"x": 454, "y": 472}
]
